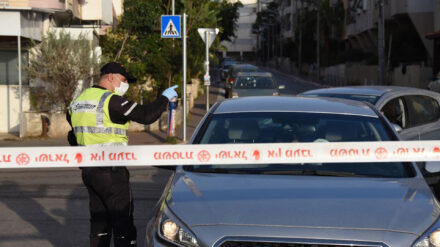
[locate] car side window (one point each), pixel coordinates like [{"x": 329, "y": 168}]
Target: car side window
[
  {"x": 394, "y": 111},
  {"x": 422, "y": 109}
]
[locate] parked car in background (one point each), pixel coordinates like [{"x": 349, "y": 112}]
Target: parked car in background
[
  {"x": 304, "y": 205},
  {"x": 224, "y": 66},
  {"x": 232, "y": 74},
  {"x": 254, "y": 84},
  {"x": 414, "y": 112}
]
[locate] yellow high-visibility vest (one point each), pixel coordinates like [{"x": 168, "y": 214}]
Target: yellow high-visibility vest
[{"x": 91, "y": 122}]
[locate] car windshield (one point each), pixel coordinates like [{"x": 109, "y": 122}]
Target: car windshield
[
  {"x": 244, "y": 69},
  {"x": 287, "y": 127},
  {"x": 254, "y": 82},
  {"x": 358, "y": 97}
]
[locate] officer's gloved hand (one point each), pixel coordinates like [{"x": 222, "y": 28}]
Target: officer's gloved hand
[{"x": 170, "y": 92}]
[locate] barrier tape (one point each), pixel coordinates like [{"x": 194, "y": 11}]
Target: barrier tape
[{"x": 227, "y": 154}]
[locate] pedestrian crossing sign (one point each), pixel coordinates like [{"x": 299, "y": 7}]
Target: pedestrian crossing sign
[{"x": 170, "y": 26}]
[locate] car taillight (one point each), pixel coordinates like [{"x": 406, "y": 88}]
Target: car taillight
[{"x": 231, "y": 80}]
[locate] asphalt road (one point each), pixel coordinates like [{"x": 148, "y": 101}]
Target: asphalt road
[{"x": 49, "y": 207}]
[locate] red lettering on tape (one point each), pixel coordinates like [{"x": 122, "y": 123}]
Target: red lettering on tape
[
  {"x": 231, "y": 155},
  {"x": 203, "y": 156},
  {"x": 298, "y": 153},
  {"x": 381, "y": 153},
  {"x": 98, "y": 156},
  {"x": 173, "y": 155},
  {"x": 122, "y": 156},
  {"x": 351, "y": 152},
  {"x": 5, "y": 158},
  {"x": 78, "y": 158},
  {"x": 22, "y": 159},
  {"x": 256, "y": 155}
]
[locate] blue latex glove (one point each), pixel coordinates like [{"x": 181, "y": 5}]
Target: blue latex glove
[{"x": 170, "y": 92}]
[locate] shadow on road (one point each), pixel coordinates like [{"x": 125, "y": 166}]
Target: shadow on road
[{"x": 52, "y": 215}]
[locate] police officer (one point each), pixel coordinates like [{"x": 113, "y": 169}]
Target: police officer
[{"x": 101, "y": 116}]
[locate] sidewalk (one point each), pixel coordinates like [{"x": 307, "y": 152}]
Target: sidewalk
[{"x": 135, "y": 138}]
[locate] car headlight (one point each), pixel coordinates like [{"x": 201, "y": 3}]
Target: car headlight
[
  {"x": 170, "y": 229},
  {"x": 430, "y": 238}
]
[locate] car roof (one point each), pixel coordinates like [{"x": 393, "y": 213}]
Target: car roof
[
  {"x": 254, "y": 73},
  {"x": 365, "y": 90},
  {"x": 294, "y": 104},
  {"x": 244, "y": 65}
]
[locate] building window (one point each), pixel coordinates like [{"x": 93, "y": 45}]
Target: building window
[{"x": 9, "y": 68}]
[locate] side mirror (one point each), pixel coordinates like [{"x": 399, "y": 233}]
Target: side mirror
[
  {"x": 432, "y": 166},
  {"x": 281, "y": 87},
  {"x": 397, "y": 127}
]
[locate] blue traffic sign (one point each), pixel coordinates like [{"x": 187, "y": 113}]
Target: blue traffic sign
[{"x": 170, "y": 26}]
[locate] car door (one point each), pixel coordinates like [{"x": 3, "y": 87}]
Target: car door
[
  {"x": 396, "y": 111},
  {"x": 424, "y": 115}
]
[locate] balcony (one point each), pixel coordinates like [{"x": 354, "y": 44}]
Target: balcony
[
  {"x": 42, "y": 4},
  {"x": 411, "y": 6}
]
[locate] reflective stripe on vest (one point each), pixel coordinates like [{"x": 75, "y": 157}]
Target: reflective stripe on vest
[{"x": 99, "y": 130}]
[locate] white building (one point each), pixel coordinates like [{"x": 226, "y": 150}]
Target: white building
[
  {"x": 27, "y": 20},
  {"x": 244, "y": 46}
]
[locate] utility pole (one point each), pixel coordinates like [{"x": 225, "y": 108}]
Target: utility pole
[
  {"x": 317, "y": 39},
  {"x": 300, "y": 36},
  {"x": 381, "y": 43}
]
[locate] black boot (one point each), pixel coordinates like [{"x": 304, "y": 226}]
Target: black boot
[{"x": 100, "y": 240}]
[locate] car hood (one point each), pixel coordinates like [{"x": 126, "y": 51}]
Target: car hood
[{"x": 402, "y": 205}]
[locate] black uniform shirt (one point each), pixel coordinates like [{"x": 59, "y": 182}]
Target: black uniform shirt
[{"x": 122, "y": 110}]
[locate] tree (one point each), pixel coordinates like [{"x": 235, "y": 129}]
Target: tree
[
  {"x": 137, "y": 42},
  {"x": 59, "y": 62},
  {"x": 227, "y": 19}
]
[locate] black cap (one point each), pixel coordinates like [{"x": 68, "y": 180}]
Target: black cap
[{"x": 117, "y": 68}]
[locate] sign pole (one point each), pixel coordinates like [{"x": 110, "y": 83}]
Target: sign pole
[
  {"x": 184, "y": 77},
  {"x": 207, "y": 82}
]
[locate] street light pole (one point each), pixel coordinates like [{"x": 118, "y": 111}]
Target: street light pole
[
  {"x": 184, "y": 77},
  {"x": 207, "y": 43},
  {"x": 381, "y": 43}
]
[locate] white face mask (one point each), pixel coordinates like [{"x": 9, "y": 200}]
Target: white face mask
[{"x": 122, "y": 89}]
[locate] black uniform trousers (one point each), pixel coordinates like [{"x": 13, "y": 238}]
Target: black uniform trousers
[{"x": 111, "y": 206}]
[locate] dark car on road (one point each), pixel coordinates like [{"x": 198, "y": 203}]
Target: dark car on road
[
  {"x": 305, "y": 205},
  {"x": 224, "y": 66},
  {"x": 233, "y": 72},
  {"x": 253, "y": 84}
]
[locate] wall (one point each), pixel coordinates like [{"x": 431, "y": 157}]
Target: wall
[
  {"x": 10, "y": 107},
  {"x": 340, "y": 75},
  {"x": 49, "y": 4},
  {"x": 415, "y": 76},
  {"x": 356, "y": 74}
]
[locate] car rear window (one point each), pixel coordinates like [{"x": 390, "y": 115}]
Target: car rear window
[{"x": 254, "y": 82}]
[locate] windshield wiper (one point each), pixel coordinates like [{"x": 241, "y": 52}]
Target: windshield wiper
[
  {"x": 314, "y": 173},
  {"x": 222, "y": 170}
]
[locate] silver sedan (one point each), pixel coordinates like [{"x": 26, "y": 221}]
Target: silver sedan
[
  {"x": 414, "y": 112},
  {"x": 305, "y": 205}
]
